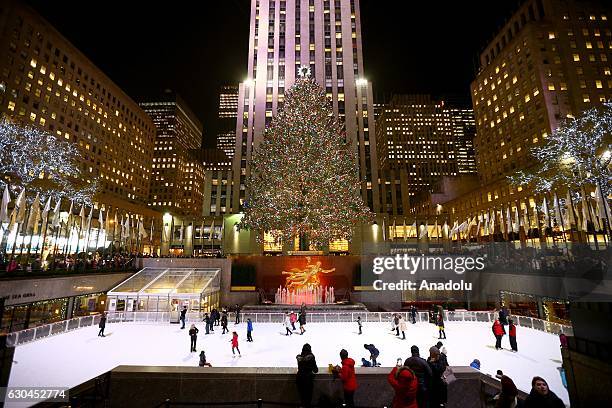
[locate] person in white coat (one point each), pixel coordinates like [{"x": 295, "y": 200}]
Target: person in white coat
[
  {"x": 402, "y": 327},
  {"x": 288, "y": 324}
]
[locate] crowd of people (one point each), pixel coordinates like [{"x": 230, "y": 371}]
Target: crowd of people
[{"x": 96, "y": 262}]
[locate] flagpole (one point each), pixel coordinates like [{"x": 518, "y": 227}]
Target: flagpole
[
  {"x": 588, "y": 210},
  {"x": 44, "y": 235},
  {"x": 604, "y": 203},
  {"x": 25, "y": 227}
]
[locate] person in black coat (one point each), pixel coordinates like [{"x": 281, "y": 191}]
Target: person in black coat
[
  {"x": 374, "y": 353},
  {"x": 102, "y": 325},
  {"x": 207, "y": 322},
  {"x": 183, "y": 315},
  {"x": 193, "y": 334},
  {"x": 541, "y": 396},
  {"x": 413, "y": 312},
  {"x": 438, "y": 393},
  {"x": 224, "y": 323},
  {"x": 423, "y": 372},
  {"x": 307, "y": 368},
  {"x": 237, "y": 309},
  {"x": 215, "y": 316},
  {"x": 302, "y": 320}
]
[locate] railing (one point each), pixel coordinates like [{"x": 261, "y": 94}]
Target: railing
[
  {"x": 259, "y": 404},
  {"x": 39, "y": 332}
]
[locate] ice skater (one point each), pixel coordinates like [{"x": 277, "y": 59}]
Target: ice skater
[
  {"x": 395, "y": 324},
  {"x": 413, "y": 312},
  {"x": 512, "y": 335},
  {"x": 193, "y": 334},
  {"x": 183, "y": 316},
  {"x": 441, "y": 331},
  {"x": 302, "y": 320},
  {"x": 374, "y": 353},
  {"x": 359, "y": 324},
  {"x": 293, "y": 318},
  {"x": 102, "y": 325},
  {"x": 234, "y": 342},
  {"x": 287, "y": 323},
  {"x": 203, "y": 362},
  {"x": 249, "y": 330},
  {"x": 224, "y": 323},
  {"x": 402, "y": 327},
  {"x": 207, "y": 322},
  {"x": 498, "y": 332},
  {"x": 237, "y": 314}
]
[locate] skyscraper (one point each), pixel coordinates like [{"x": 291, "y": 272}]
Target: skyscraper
[
  {"x": 45, "y": 81},
  {"x": 177, "y": 173},
  {"x": 228, "y": 112},
  {"x": 324, "y": 35},
  {"x": 550, "y": 61},
  {"x": 416, "y": 146}
]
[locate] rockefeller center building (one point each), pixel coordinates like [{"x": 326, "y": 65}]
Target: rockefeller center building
[{"x": 324, "y": 35}]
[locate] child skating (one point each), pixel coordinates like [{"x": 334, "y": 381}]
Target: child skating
[{"x": 359, "y": 324}]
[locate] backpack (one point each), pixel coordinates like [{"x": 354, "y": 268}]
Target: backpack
[{"x": 448, "y": 376}]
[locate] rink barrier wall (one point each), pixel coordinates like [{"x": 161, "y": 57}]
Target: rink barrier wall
[{"x": 41, "y": 332}]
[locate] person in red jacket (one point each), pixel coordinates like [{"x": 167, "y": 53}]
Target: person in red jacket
[
  {"x": 498, "y": 332},
  {"x": 234, "y": 342},
  {"x": 347, "y": 375},
  {"x": 512, "y": 334},
  {"x": 405, "y": 383}
]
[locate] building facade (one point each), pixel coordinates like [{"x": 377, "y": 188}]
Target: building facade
[
  {"x": 228, "y": 112},
  {"x": 324, "y": 35},
  {"x": 417, "y": 145},
  {"x": 551, "y": 61},
  {"x": 46, "y": 82},
  {"x": 177, "y": 173}
]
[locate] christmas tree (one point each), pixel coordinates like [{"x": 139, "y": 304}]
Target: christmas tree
[{"x": 304, "y": 174}]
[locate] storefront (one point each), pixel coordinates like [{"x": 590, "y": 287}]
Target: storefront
[
  {"x": 34, "y": 302},
  {"x": 167, "y": 290}
]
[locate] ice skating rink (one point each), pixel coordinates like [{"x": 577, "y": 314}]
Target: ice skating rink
[{"x": 74, "y": 357}]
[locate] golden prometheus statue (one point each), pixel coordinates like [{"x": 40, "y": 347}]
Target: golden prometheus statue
[{"x": 305, "y": 278}]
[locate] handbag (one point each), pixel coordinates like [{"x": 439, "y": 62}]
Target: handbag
[{"x": 448, "y": 376}]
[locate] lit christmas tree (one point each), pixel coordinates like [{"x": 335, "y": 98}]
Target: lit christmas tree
[
  {"x": 576, "y": 155},
  {"x": 304, "y": 174},
  {"x": 36, "y": 160}
]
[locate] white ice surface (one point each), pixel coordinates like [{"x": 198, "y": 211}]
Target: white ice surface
[{"x": 72, "y": 358}]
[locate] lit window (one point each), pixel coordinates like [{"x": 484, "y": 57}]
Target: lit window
[
  {"x": 598, "y": 84},
  {"x": 551, "y": 35},
  {"x": 551, "y": 87},
  {"x": 576, "y": 57}
]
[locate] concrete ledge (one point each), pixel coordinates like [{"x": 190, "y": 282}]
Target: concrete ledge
[{"x": 153, "y": 384}]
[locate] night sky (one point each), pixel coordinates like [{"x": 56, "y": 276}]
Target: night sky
[{"x": 196, "y": 47}]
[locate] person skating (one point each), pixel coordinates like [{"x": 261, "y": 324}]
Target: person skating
[
  {"x": 287, "y": 323},
  {"x": 512, "y": 335},
  {"x": 498, "y": 332},
  {"x": 440, "y": 323},
  {"x": 193, "y": 334},
  {"x": 503, "y": 316},
  {"x": 102, "y": 325},
  {"x": 203, "y": 362},
  {"x": 541, "y": 396},
  {"x": 348, "y": 377},
  {"x": 402, "y": 327},
  {"x": 307, "y": 368},
  {"x": 224, "y": 323},
  {"x": 475, "y": 364},
  {"x": 234, "y": 342},
  {"x": 207, "y": 322},
  {"x": 237, "y": 309},
  {"x": 438, "y": 392},
  {"x": 183, "y": 316},
  {"x": 216, "y": 317},
  {"x": 413, "y": 312},
  {"x": 423, "y": 372},
  {"x": 374, "y": 353},
  {"x": 405, "y": 384},
  {"x": 359, "y": 324},
  {"x": 293, "y": 318},
  {"x": 396, "y": 324},
  {"x": 302, "y": 320},
  {"x": 249, "y": 330}
]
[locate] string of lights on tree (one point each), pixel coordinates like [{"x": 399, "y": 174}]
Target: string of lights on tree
[
  {"x": 304, "y": 174},
  {"x": 36, "y": 160},
  {"x": 577, "y": 154}
]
